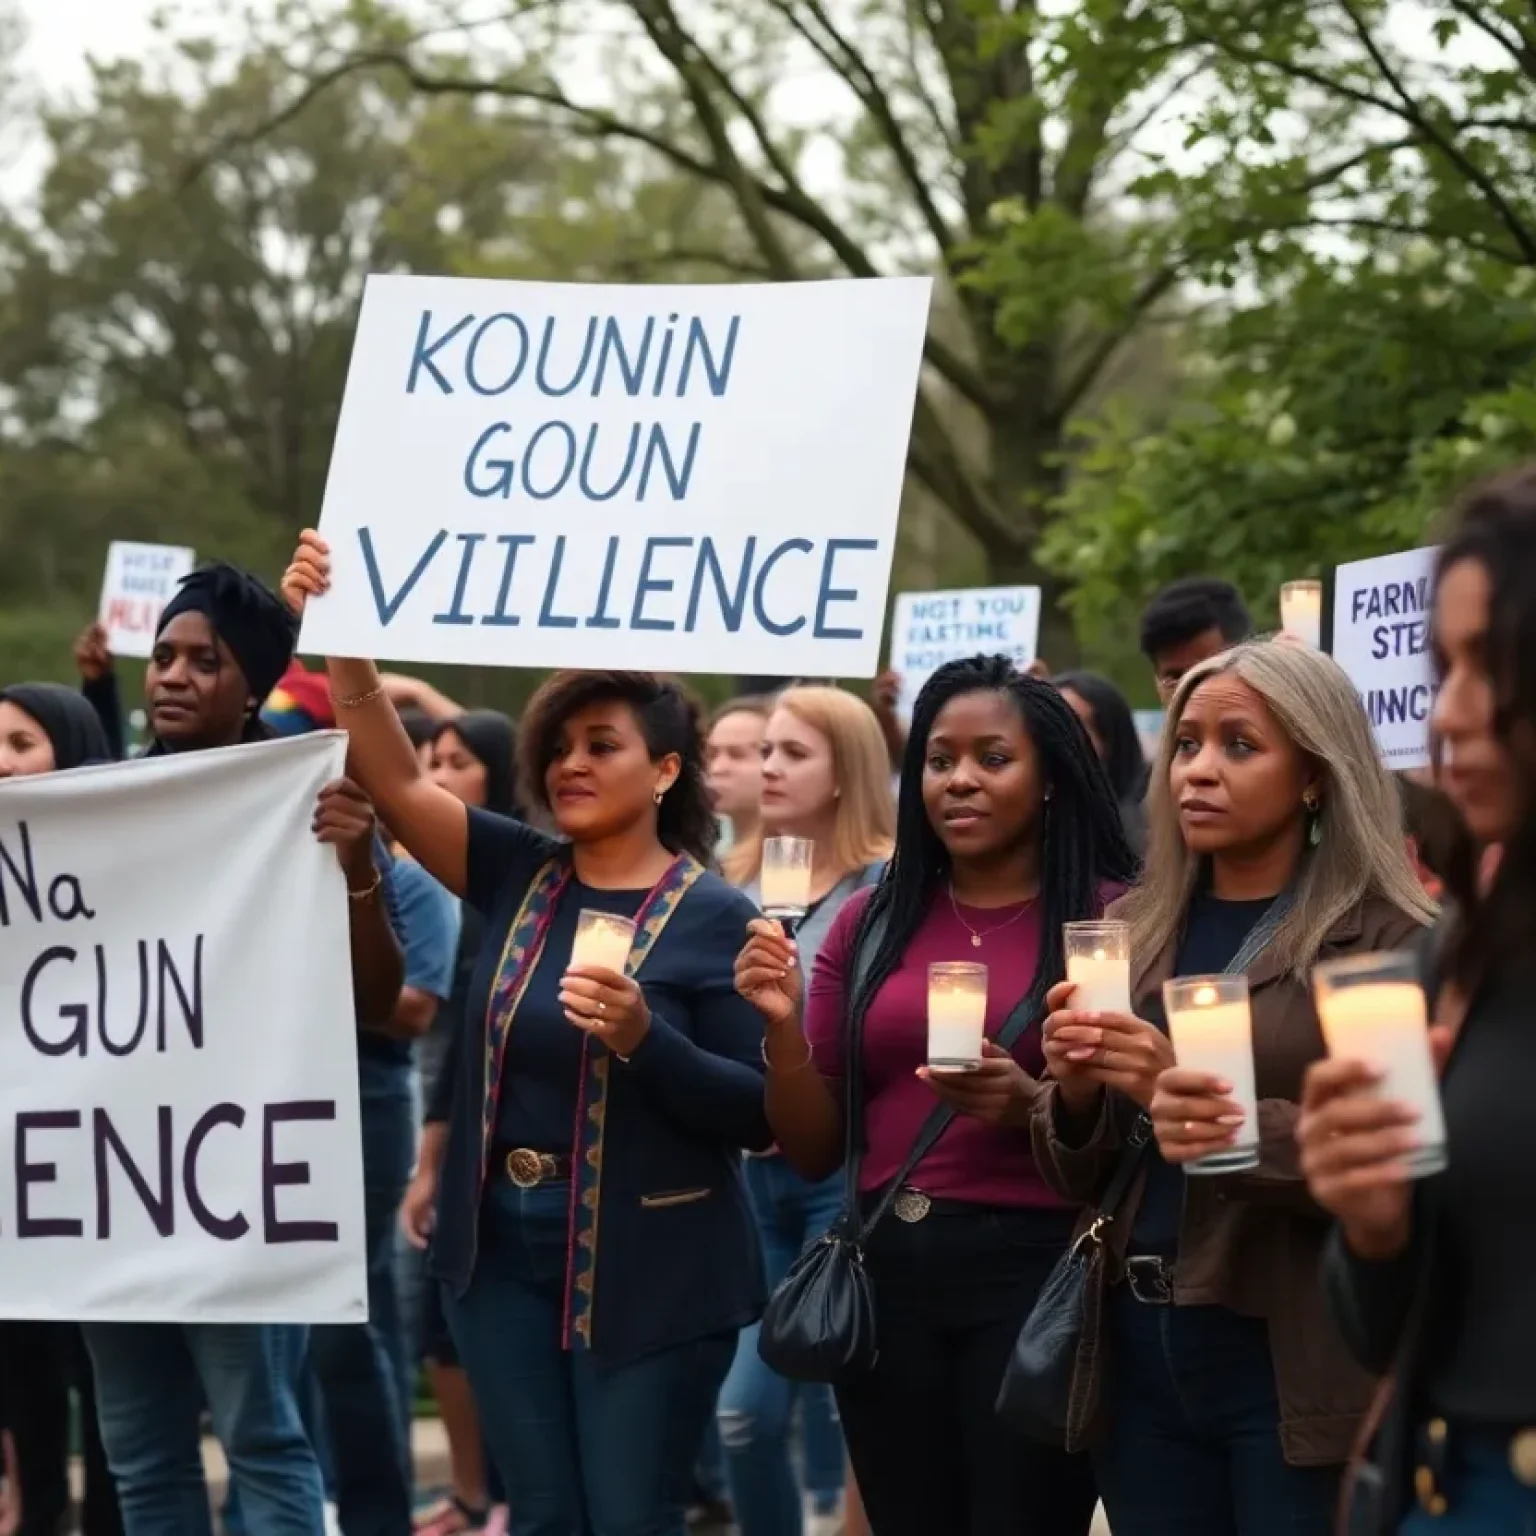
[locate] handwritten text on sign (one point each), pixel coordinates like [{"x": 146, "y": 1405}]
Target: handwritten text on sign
[
  {"x": 930, "y": 628},
  {"x": 178, "y": 1078},
  {"x": 140, "y": 580},
  {"x": 1381, "y": 616},
  {"x": 690, "y": 479}
]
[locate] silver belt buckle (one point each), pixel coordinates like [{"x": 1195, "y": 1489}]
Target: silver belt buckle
[{"x": 911, "y": 1206}]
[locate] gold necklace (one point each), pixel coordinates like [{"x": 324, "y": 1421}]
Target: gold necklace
[{"x": 976, "y": 937}]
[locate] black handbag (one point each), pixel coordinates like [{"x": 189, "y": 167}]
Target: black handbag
[
  {"x": 819, "y": 1324},
  {"x": 1052, "y": 1378}
]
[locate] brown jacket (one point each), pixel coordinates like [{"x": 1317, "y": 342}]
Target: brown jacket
[{"x": 1252, "y": 1242}]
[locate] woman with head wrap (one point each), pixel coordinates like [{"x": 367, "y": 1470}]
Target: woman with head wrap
[
  {"x": 223, "y": 644},
  {"x": 47, "y": 728}
]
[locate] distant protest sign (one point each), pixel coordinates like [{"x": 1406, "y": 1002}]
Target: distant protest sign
[
  {"x": 1381, "y": 613},
  {"x": 178, "y": 1067},
  {"x": 930, "y": 628},
  {"x": 687, "y": 479},
  {"x": 140, "y": 580}
]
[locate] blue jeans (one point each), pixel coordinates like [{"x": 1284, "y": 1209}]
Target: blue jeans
[
  {"x": 1484, "y": 1495},
  {"x": 756, "y": 1404},
  {"x": 152, "y": 1380},
  {"x": 583, "y": 1451},
  {"x": 361, "y": 1368},
  {"x": 1193, "y": 1441}
]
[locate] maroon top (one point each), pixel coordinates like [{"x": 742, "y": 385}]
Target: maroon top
[{"x": 986, "y": 1164}]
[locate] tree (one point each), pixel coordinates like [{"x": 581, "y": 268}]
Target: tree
[
  {"x": 982, "y": 141},
  {"x": 1377, "y": 349}
]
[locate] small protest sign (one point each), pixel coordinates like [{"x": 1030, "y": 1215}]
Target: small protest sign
[
  {"x": 930, "y": 628},
  {"x": 140, "y": 580},
  {"x": 689, "y": 479},
  {"x": 1381, "y": 614},
  {"x": 178, "y": 1078}
]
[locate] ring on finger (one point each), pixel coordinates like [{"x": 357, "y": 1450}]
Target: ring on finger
[{"x": 602, "y": 1009}]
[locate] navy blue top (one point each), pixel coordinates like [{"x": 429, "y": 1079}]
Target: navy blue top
[
  {"x": 1214, "y": 931},
  {"x": 542, "y": 1063},
  {"x": 678, "y": 1111}
]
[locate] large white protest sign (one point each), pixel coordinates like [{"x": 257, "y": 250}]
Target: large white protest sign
[
  {"x": 700, "y": 479},
  {"x": 930, "y": 628},
  {"x": 178, "y": 1066},
  {"x": 1381, "y": 638},
  {"x": 140, "y": 580}
]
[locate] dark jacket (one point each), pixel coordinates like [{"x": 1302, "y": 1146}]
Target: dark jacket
[
  {"x": 1251, "y": 1242},
  {"x": 675, "y": 1251}
]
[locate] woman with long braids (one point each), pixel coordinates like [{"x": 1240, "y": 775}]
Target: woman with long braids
[{"x": 1006, "y": 829}]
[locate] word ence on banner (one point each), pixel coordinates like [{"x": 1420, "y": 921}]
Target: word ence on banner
[
  {"x": 590, "y": 476},
  {"x": 78, "y": 999}
]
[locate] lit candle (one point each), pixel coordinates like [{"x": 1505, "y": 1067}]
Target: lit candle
[
  {"x": 1211, "y": 1025},
  {"x": 1384, "y": 1023},
  {"x": 957, "y": 1016},
  {"x": 1099, "y": 966},
  {"x": 1301, "y": 612},
  {"x": 785, "y": 877},
  {"x": 602, "y": 941}
]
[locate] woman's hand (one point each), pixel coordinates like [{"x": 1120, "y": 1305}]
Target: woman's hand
[
  {"x": 1352, "y": 1145},
  {"x": 1112, "y": 1050},
  {"x": 418, "y": 1211},
  {"x": 308, "y": 574},
  {"x": 768, "y": 972},
  {"x": 344, "y": 818},
  {"x": 607, "y": 1005},
  {"x": 999, "y": 1091},
  {"x": 93, "y": 656},
  {"x": 1193, "y": 1115}
]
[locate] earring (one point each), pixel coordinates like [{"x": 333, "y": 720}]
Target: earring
[
  {"x": 659, "y": 796},
  {"x": 1314, "y": 810}
]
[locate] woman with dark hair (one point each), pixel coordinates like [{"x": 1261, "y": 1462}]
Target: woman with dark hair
[
  {"x": 591, "y": 1228},
  {"x": 1006, "y": 829},
  {"x": 47, "y": 728},
  {"x": 1429, "y": 1278},
  {"x": 1112, "y": 729}
]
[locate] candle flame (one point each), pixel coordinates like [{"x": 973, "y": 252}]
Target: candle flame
[
  {"x": 1204, "y": 997},
  {"x": 1100, "y": 956}
]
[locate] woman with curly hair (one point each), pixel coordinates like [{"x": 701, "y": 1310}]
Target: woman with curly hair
[{"x": 591, "y": 1230}]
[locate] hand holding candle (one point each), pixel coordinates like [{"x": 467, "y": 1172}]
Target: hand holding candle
[
  {"x": 602, "y": 942},
  {"x": 957, "y": 1015},
  {"x": 1205, "y": 1111},
  {"x": 1099, "y": 966},
  {"x": 785, "y": 877},
  {"x": 595, "y": 992}
]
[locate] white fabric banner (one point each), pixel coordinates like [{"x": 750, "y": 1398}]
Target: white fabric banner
[
  {"x": 178, "y": 1063},
  {"x": 1381, "y": 638},
  {"x": 685, "y": 479}
]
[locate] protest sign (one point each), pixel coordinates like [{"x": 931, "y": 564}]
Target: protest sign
[
  {"x": 930, "y": 628},
  {"x": 140, "y": 580},
  {"x": 688, "y": 479},
  {"x": 1381, "y": 638},
  {"x": 178, "y": 1067}
]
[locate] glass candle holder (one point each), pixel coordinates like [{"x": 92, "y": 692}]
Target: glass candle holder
[
  {"x": 785, "y": 878},
  {"x": 1301, "y": 612},
  {"x": 1211, "y": 1026},
  {"x": 603, "y": 941},
  {"x": 1099, "y": 966},
  {"x": 1372, "y": 1009},
  {"x": 957, "y": 1015}
]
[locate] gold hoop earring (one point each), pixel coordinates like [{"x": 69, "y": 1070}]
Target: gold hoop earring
[{"x": 659, "y": 796}]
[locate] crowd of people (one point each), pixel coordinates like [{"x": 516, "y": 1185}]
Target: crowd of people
[{"x": 583, "y": 1184}]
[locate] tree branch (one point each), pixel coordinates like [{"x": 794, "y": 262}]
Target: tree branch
[{"x": 1100, "y": 354}]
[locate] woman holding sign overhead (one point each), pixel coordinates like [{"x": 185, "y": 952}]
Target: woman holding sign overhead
[
  {"x": 1226, "y": 1403},
  {"x": 592, "y": 1231}
]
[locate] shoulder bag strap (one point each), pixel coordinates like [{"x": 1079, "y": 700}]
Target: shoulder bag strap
[
  {"x": 938, "y": 1120},
  {"x": 1141, "y": 1131}
]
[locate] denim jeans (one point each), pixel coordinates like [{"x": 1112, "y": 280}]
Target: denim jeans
[
  {"x": 1194, "y": 1430},
  {"x": 757, "y": 1405},
  {"x": 152, "y": 1381},
  {"x": 583, "y": 1451},
  {"x": 362, "y": 1368},
  {"x": 1484, "y": 1495}
]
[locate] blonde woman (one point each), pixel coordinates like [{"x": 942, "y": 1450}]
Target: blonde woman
[
  {"x": 1229, "y": 1404},
  {"x": 826, "y": 777}
]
